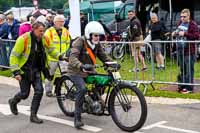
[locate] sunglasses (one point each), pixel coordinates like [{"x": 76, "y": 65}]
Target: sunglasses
[
  {"x": 95, "y": 35},
  {"x": 183, "y": 16}
]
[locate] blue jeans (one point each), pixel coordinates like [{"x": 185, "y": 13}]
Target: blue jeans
[
  {"x": 186, "y": 64},
  {"x": 3, "y": 54},
  {"x": 80, "y": 93}
]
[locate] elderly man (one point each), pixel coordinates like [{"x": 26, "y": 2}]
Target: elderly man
[{"x": 59, "y": 37}]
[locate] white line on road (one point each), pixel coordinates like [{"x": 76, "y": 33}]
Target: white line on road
[
  {"x": 160, "y": 125},
  {"x": 177, "y": 129},
  {"x": 154, "y": 125},
  {"x": 4, "y": 109}
]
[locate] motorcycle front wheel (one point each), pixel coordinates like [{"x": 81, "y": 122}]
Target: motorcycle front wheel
[{"x": 128, "y": 107}]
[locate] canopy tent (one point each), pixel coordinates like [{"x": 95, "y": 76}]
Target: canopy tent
[
  {"x": 96, "y": 11},
  {"x": 106, "y": 7}
]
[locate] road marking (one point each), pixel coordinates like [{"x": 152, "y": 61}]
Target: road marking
[
  {"x": 177, "y": 129},
  {"x": 154, "y": 125},
  {"x": 5, "y": 109},
  {"x": 160, "y": 125}
]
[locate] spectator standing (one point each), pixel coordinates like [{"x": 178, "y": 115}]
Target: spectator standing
[
  {"x": 157, "y": 30},
  {"x": 83, "y": 22},
  {"x": 3, "y": 35},
  {"x": 135, "y": 34},
  {"x": 49, "y": 20},
  {"x": 187, "y": 30},
  {"x": 24, "y": 27},
  {"x": 59, "y": 37},
  {"x": 13, "y": 27}
]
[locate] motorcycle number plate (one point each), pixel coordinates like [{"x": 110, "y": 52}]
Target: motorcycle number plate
[{"x": 116, "y": 75}]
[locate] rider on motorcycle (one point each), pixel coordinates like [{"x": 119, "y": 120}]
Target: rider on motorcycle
[{"x": 82, "y": 59}]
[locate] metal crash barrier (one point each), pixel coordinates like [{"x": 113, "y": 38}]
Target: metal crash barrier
[{"x": 172, "y": 62}]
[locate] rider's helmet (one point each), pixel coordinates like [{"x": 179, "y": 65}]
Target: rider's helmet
[{"x": 93, "y": 27}]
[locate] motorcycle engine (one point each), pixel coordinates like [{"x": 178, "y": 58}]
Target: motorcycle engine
[{"x": 92, "y": 106}]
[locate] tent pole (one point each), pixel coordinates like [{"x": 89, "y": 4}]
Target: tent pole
[{"x": 92, "y": 12}]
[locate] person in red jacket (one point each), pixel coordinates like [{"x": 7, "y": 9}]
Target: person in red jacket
[{"x": 187, "y": 30}]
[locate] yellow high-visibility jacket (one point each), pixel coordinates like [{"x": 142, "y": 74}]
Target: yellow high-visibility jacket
[
  {"x": 60, "y": 44},
  {"x": 21, "y": 51}
]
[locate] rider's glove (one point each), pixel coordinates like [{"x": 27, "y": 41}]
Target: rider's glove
[
  {"x": 87, "y": 67},
  {"x": 62, "y": 58}
]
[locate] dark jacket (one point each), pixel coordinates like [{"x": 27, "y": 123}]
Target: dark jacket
[
  {"x": 191, "y": 34},
  {"x": 14, "y": 29},
  {"x": 135, "y": 30},
  {"x": 3, "y": 31},
  {"x": 158, "y": 30},
  {"x": 79, "y": 56}
]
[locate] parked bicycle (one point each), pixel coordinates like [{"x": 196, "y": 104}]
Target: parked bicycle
[
  {"x": 106, "y": 95},
  {"x": 119, "y": 50}
]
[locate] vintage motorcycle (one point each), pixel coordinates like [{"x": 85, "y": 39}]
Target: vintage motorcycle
[{"x": 106, "y": 95}]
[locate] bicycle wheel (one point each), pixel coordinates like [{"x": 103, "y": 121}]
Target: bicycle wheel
[
  {"x": 65, "y": 93},
  {"x": 118, "y": 52},
  {"x": 128, "y": 107}
]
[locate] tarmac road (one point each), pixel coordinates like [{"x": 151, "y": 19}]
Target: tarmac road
[{"x": 162, "y": 118}]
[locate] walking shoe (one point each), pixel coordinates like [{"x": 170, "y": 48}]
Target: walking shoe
[
  {"x": 136, "y": 70},
  {"x": 144, "y": 69},
  {"x": 49, "y": 94},
  {"x": 162, "y": 68},
  {"x": 13, "y": 106},
  {"x": 78, "y": 123},
  {"x": 185, "y": 91}
]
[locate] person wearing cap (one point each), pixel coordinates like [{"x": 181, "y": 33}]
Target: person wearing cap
[
  {"x": 60, "y": 38},
  {"x": 83, "y": 57}
]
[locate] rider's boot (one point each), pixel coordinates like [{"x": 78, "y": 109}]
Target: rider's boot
[
  {"x": 35, "y": 119},
  {"x": 77, "y": 122}
]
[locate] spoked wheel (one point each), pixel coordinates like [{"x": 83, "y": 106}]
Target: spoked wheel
[
  {"x": 128, "y": 108},
  {"x": 118, "y": 51},
  {"x": 65, "y": 93}
]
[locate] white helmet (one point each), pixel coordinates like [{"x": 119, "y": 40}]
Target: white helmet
[{"x": 93, "y": 27}]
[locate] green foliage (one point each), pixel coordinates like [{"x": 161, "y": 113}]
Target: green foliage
[{"x": 47, "y": 4}]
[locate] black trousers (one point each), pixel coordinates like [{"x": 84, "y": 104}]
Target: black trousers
[{"x": 35, "y": 80}]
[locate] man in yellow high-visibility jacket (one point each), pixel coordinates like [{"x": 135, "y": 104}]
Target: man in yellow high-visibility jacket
[
  {"x": 28, "y": 60},
  {"x": 59, "y": 38}
]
